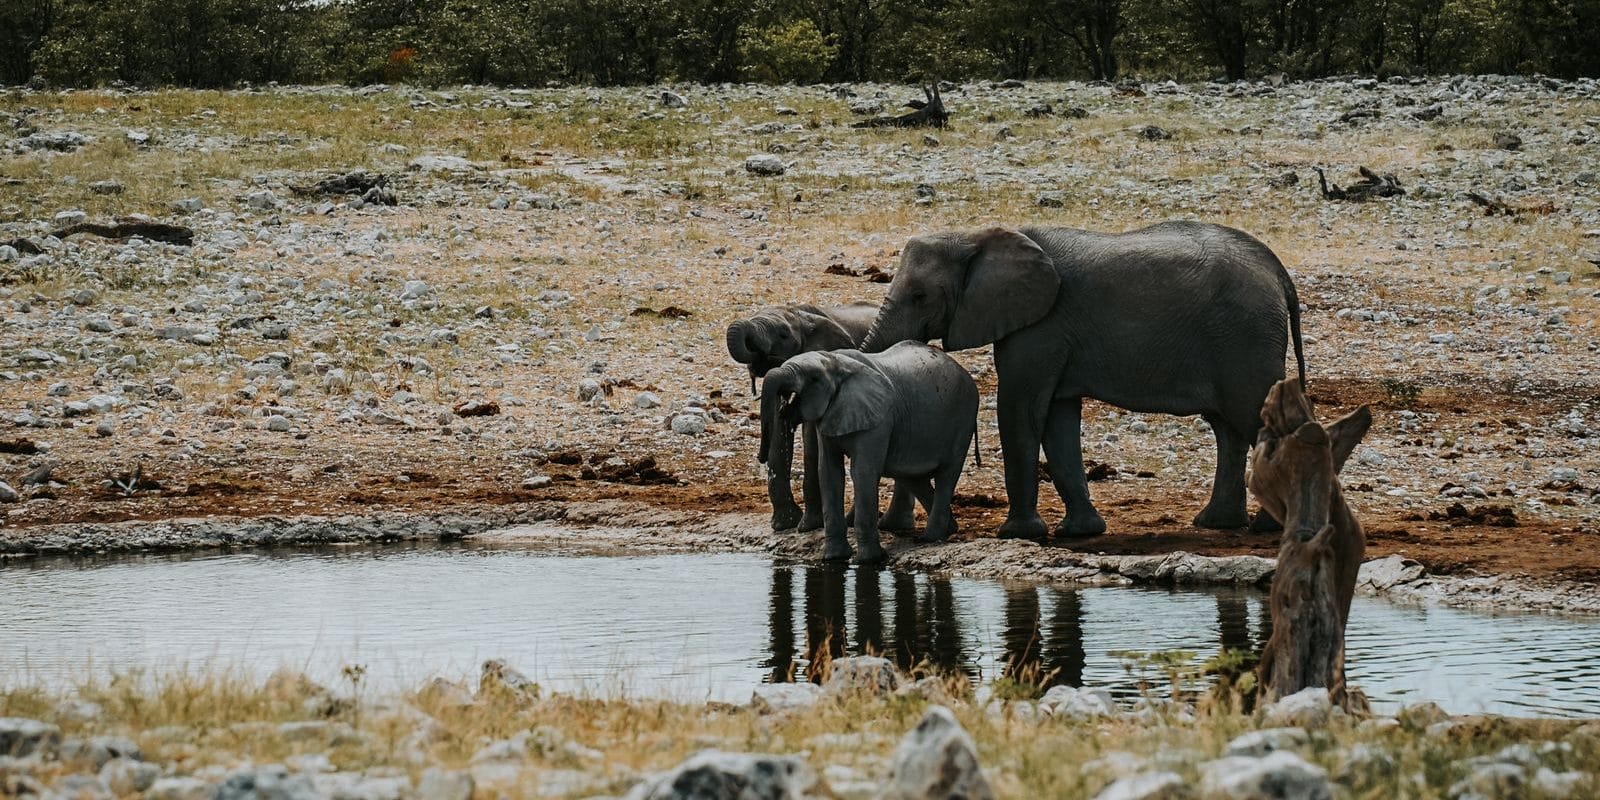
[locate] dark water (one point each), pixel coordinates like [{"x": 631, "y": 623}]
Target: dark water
[{"x": 710, "y": 626}]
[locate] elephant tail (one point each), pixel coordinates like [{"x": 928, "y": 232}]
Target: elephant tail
[
  {"x": 977, "y": 452},
  {"x": 1293, "y": 299}
]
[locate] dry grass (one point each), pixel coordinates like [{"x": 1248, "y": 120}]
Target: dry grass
[{"x": 200, "y": 723}]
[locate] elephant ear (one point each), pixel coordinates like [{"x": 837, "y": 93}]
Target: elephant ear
[
  {"x": 821, "y": 332},
  {"x": 1011, "y": 283},
  {"x": 862, "y": 398}
]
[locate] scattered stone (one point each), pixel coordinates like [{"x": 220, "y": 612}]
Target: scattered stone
[
  {"x": 1276, "y": 776},
  {"x": 1494, "y": 780},
  {"x": 188, "y": 205},
  {"x": 271, "y": 782},
  {"x": 106, "y": 187},
  {"x": 8, "y": 495},
  {"x": 476, "y": 408},
  {"x": 1364, "y": 767},
  {"x": 1050, "y": 200},
  {"x": 58, "y": 141},
  {"x": 1268, "y": 740},
  {"x": 442, "y": 164},
  {"x": 125, "y": 776},
  {"x": 1152, "y": 133},
  {"x": 671, "y": 99},
  {"x": 778, "y": 698},
  {"x": 1421, "y": 715},
  {"x": 182, "y": 789},
  {"x": 588, "y": 389},
  {"x": 1308, "y": 708},
  {"x": 764, "y": 164},
  {"x": 866, "y": 675},
  {"x": 689, "y": 424},
  {"x": 20, "y": 737},
  {"x": 67, "y": 219},
  {"x": 441, "y": 784},
  {"x": 498, "y": 676},
  {"x": 536, "y": 482},
  {"x": 718, "y": 774},
  {"x": 1073, "y": 702},
  {"x": 278, "y": 423},
  {"x": 262, "y": 200},
  {"x": 646, "y": 400},
  {"x": 1389, "y": 571},
  {"x": 1507, "y": 141},
  {"x": 937, "y": 760},
  {"x": 929, "y": 140},
  {"x": 1147, "y": 786},
  {"x": 414, "y": 289}
]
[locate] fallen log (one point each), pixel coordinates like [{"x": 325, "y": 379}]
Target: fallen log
[
  {"x": 931, "y": 114},
  {"x": 126, "y": 229},
  {"x": 1494, "y": 205},
  {"x": 1371, "y": 185}
]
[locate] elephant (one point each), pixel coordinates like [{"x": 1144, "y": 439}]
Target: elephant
[
  {"x": 772, "y": 336},
  {"x": 1176, "y": 318},
  {"x": 908, "y": 413}
]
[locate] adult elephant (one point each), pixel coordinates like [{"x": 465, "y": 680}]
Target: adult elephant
[{"x": 1176, "y": 318}]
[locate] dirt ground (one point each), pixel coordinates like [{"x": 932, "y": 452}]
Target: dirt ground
[{"x": 1472, "y": 337}]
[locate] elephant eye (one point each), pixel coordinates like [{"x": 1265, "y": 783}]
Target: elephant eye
[{"x": 919, "y": 294}]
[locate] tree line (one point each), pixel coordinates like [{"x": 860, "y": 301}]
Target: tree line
[{"x": 221, "y": 43}]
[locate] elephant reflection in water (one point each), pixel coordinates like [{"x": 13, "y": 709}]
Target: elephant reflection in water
[
  {"x": 920, "y": 626},
  {"x": 923, "y": 629},
  {"x": 1050, "y": 656}
]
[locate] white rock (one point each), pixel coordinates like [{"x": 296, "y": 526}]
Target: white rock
[
  {"x": 937, "y": 760},
  {"x": 8, "y": 494},
  {"x": 1308, "y": 708},
  {"x": 689, "y": 424},
  {"x": 1557, "y": 785},
  {"x": 778, "y": 698},
  {"x": 588, "y": 389},
  {"x": 1268, "y": 740},
  {"x": 68, "y": 218},
  {"x": 1147, "y": 786},
  {"x": 756, "y": 776},
  {"x": 1277, "y": 776},
  {"x": 764, "y": 164},
  {"x": 646, "y": 400},
  {"x": 1072, "y": 702},
  {"x": 441, "y": 784},
  {"x": 262, "y": 200},
  {"x": 414, "y": 289},
  {"x": 1383, "y": 573},
  {"x": 278, "y": 423},
  {"x": 871, "y": 675},
  {"x": 181, "y": 789},
  {"x": 124, "y": 776}
]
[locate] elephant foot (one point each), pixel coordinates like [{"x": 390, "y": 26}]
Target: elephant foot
[
  {"x": 897, "y": 522},
  {"x": 1024, "y": 528},
  {"x": 1219, "y": 520},
  {"x": 835, "y": 552},
  {"x": 809, "y": 522},
  {"x": 1264, "y": 523},
  {"x": 785, "y": 518},
  {"x": 1081, "y": 526},
  {"x": 934, "y": 534},
  {"x": 870, "y": 556}
]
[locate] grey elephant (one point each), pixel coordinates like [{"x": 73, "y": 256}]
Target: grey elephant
[
  {"x": 908, "y": 412},
  {"x": 1176, "y": 318},
  {"x": 774, "y": 335}
]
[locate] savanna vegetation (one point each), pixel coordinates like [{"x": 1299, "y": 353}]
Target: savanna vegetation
[{"x": 219, "y": 43}]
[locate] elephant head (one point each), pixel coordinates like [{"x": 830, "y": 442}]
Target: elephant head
[
  {"x": 966, "y": 289},
  {"x": 1296, "y": 461},
  {"x": 840, "y": 392},
  {"x": 772, "y": 336}
]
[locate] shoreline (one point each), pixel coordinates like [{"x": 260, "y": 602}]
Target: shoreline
[{"x": 626, "y": 527}]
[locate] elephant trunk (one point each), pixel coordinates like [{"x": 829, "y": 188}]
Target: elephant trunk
[
  {"x": 743, "y": 341},
  {"x": 776, "y": 437},
  {"x": 888, "y": 329}
]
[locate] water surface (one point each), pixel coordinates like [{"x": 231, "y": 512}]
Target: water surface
[{"x": 711, "y": 625}]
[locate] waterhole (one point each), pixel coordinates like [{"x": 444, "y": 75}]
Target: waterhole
[{"x": 707, "y": 626}]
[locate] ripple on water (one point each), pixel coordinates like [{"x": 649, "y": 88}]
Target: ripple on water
[{"x": 712, "y": 625}]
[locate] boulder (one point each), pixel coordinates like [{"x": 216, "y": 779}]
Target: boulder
[
  {"x": 777, "y": 698},
  {"x": 1276, "y": 776},
  {"x": 441, "y": 784},
  {"x": 1383, "y": 573},
  {"x": 1148, "y": 786},
  {"x": 271, "y": 782},
  {"x": 869, "y": 675},
  {"x": 718, "y": 775},
  {"x": 937, "y": 760},
  {"x": 1308, "y": 708},
  {"x": 1268, "y": 740},
  {"x": 180, "y": 789},
  {"x": 764, "y": 164},
  {"x": 20, "y": 737},
  {"x": 1068, "y": 701}
]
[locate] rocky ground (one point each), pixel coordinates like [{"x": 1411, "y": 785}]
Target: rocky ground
[
  {"x": 866, "y": 731},
  {"x": 539, "y": 315}
]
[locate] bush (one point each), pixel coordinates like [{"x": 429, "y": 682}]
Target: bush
[{"x": 793, "y": 52}]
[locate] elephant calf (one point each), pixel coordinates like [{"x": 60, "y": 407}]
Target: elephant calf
[
  {"x": 907, "y": 413},
  {"x": 768, "y": 338}
]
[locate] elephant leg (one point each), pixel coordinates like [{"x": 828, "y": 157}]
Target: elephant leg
[
  {"x": 811, "y": 519},
  {"x": 1063, "y": 446},
  {"x": 864, "y": 474},
  {"x": 785, "y": 513},
  {"x": 941, "y": 523},
  {"x": 1019, "y": 444},
  {"x": 1226, "y": 509},
  {"x": 830, "y": 484},
  {"x": 901, "y": 515}
]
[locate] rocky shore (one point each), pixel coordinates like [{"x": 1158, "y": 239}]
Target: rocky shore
[
  {"x": 621, "y": 527},
  {"x": 864, "y": 731}
]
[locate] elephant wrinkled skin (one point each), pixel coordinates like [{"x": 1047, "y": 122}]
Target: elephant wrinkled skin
[
  {"x": 1176, "y": 318},
  {"x": 906, "y": 413},
  {"x": 768, "y": 338}
]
